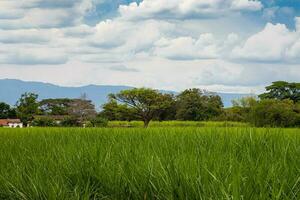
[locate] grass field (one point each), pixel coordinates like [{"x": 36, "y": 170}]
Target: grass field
[{"x": 155, "y": 163}]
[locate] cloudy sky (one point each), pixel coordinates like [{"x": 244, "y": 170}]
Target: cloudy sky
[{"x": 219, "y": 45}]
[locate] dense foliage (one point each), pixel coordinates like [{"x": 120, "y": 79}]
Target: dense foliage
[
  {"x": 27, "y": 107},
  {"x": 281, "y": 90},
  {"x": 279, "y": 106},
  {"x": 6, "y": 111}
]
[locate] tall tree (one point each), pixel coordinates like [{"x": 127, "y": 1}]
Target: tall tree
[
  {"x": 282, "y": 90},
  {"x": 81, "y": 109},
  {"x": 27, "y": 106},
  {"x": 55, "y": 106},
  {"x": 146, "y": 103},
  {"x": 195, "y": 105}
]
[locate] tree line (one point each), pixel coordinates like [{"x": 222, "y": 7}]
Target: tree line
[{"x": 279, "y": 106}]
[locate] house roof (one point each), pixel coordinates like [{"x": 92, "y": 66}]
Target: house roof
[{"x": 5, "y": 122}]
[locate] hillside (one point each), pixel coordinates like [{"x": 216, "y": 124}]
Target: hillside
[{"x": 11, "y": 90}]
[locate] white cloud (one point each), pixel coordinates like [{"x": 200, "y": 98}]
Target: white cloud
[
  {"x": 17, "y": 14},
  {"x": 168, "y": 44},
  {"x": 186, "y": 8},
  {"x": 187, "y": 48},
  {"x": 32, "y": 55},
  {"x": 248, "y": 5},
  {"x": 39, "y": 36},
  {"x": 270, "y": 45}
]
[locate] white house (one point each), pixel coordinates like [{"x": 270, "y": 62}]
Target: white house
[{"x": 11, "y": 123}]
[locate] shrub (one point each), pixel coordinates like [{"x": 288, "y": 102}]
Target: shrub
[
  {"x": 274, "y": 113},
  {"x": 70, "y": 122},
  {"x": 44, "y": 122},
  {"x": 99, "y": 122}
]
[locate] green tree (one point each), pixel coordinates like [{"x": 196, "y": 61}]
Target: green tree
[
  {"x": 240, "y": 110},
  {"x": 55, "y": 106},
  {"x": 146, "y": 103},
  {"x": 274, "y": 113},
  {"x": 44, "y": 122},
  {"x": 81, "y": 109},
  {"x": 99, "y": 122},
  {"x": 27, "y": 106},
  {"x": 114, "y": 111},
  {"x": 6, "y": 111},
  {"x": 282, "y": 90},
  {"x": 170, "y": 112},
  {"x": 194, "y": 105}
]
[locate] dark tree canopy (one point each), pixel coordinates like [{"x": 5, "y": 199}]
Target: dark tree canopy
[
  {"x": 27, "y": 107},
  {"x": 6, "y": 111},
  {"x": 194, "y": 105},
  {"x": 282, "y": 90},
  {"x": 145, "y": 103},
  {"x": 55, "y": 106},
  {"x": 275, "y": 113}
]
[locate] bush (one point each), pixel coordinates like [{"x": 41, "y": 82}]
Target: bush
[
  {"x": 70, "y": 122},
  {"x": 99, "y": 122},
  {"x": 274, "y": 113},
  {"x": 44, "y": 122}
]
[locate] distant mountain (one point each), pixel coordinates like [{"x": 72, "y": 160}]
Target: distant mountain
[{"x": 11, "y": 90}]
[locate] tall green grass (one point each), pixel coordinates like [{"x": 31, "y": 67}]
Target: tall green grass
[{"x": 154, "y": 163}]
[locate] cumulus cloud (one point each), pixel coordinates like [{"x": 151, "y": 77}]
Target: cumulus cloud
[
  {"x": 42, "y": 13},
  {"x": 186, "y": 8},
  {"x": 187, "y": 48},
  {"x": 275, "y": 43},
  {"x": 26, "y": 36},
  {"x": 170, "y": 44},
  {"x": 32, "y": 55}
]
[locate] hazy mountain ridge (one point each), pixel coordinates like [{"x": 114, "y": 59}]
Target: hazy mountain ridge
[{"x": 11, "y": 90}]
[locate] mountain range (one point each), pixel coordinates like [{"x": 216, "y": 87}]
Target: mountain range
[{"x": 11, "y": 90}]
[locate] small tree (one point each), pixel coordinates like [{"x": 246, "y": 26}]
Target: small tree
[
  {"x": 27, "y": 107},
  {"x": 146, "y": 103}
]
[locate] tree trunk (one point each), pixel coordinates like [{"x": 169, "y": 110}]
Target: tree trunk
[{"x": 146, "y": 123}]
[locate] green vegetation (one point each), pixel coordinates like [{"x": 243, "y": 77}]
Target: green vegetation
[
  {"x": 139, "y": 124},
  {"x": 153, "y": 163},
  {"x": 279, "y": 106}
]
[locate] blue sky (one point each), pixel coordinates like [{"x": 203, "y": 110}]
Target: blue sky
[{"x": 219, "y": 45}]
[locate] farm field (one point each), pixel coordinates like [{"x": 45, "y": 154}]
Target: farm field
[{"x": 154, "y": 163}]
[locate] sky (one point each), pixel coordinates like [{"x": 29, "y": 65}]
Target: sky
[{"x": 219, "y": 45}]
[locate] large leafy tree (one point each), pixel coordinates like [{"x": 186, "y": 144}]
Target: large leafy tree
[
  {"x": 81, "y": 109},
  {"x": 27, "y": 106},
  {"x": 145, "y": 103},
  {"x": 194, "y": 105},
  {"x": 282, "y": 90},
  {"x": 55, "y": 106}
]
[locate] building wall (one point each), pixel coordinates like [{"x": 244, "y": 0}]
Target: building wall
[{"x": 15, "y": 125}]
